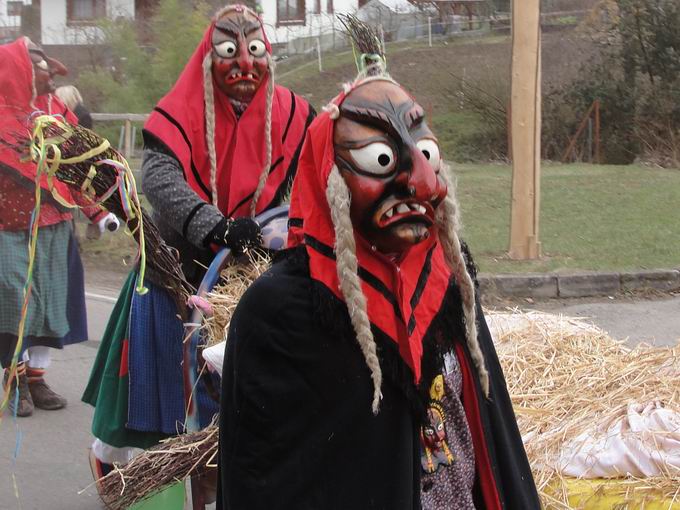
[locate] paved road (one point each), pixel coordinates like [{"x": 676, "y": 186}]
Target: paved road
[
  {"x": 654, "y": 321},
  {"x": 52, "y": 467}
]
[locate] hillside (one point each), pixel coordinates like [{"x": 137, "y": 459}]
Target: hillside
[{"x": 433, "y": 76}]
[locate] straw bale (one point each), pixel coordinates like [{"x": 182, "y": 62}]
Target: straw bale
[{"x": 563, "y": 376}]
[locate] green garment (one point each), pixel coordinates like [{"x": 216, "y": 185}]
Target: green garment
[
  {"x": 49, "y": 290},
  {"x": 107, "y": 389}
]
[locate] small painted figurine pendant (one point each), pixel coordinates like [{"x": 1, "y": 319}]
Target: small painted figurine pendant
[{"x": 435, "y": 450}]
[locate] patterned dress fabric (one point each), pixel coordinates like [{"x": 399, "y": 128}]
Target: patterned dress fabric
[
  {"x": 18, "y": 202},
  {"x": 47, "y": 308},
  {"x": 56, "y": 314},
  {"x": 450, "y": 485}
]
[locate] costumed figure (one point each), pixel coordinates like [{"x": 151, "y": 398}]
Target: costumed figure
[
  {"x": 220, "y": 147},
  {"x": 56, "y": 304},
  {"x": 367, "y": 333}
]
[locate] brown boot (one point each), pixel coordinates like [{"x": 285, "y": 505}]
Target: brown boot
[
  {"x": 44, "y": 397},
  {"x": 24, "y": 406}
]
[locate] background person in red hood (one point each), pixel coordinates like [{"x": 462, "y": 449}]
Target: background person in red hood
[
  {"x": 359, "y": 372},
  {"x": 56, "y": 314},
  {"x": 219, "y": 148}
]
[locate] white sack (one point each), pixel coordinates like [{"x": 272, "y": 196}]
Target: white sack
[
  {"x": 214, "y": 357},
  {"x": 642, "y": 441}
]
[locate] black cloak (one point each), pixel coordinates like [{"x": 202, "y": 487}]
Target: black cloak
[{"x": 296, "y": 427}]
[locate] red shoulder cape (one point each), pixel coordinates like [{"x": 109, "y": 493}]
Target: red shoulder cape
[
  {"x": 403, "y": 297},
  {"x": 179, "y": 122}
]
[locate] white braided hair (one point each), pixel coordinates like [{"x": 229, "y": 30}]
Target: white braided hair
[
  {"x": 209, "y": 102},
  {"x": 448, "y": 224},
  {"x": 268, "y": 138},
  {"x": 339, "y": 200},
  {"x": 447, "y": 220}
]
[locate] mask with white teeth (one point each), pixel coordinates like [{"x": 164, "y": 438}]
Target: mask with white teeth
[
  {"x": 390, "y": 161},
  {"x": 240, "y": 55}
]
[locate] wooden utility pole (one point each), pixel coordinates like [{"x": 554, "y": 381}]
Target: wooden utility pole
[{"x": 526, "y": 129}]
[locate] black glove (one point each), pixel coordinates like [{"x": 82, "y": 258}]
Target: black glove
[{"x": 238, "y": 234}]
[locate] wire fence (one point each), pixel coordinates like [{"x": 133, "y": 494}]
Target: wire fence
[{"x": 323, "y": 34}]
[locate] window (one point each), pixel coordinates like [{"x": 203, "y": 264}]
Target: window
[
  {"x": 329, "y": 6},
  {"x": 85, "y": 11},
  {"x": 317, "y": 6},
  {"x": 290, "y": 12},
  {"x": 14, "y": 8}
]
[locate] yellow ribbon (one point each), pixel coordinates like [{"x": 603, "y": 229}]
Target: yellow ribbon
[{"x": 40, "y": 150}]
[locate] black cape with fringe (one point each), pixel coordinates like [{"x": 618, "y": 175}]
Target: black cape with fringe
[{"x": 296, "y": 427}]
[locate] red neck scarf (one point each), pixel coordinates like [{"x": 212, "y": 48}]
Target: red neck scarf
[
  {"x": 179, "y": 122},
  {"x": 16, "y": 106},
  {"x": 403, "y": 296}
]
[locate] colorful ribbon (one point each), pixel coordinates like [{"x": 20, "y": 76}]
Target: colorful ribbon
[{"x": 45, "y": 152}]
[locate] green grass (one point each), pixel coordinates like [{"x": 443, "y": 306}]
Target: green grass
[
  {"x": 305, "y": 67},
  {"x": 412, "y": 63},
  {"x": 459, "y": 133},
  {"x": 592, "y": 217}
]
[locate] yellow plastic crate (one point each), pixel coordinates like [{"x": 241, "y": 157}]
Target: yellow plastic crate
[{"x": 607, "y": 494}]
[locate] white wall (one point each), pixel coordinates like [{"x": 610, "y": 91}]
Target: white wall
[
  {"x": 55, "y": 30},
  {"x": 314, "y": 24},
  {"x": 10, "y": 21}
]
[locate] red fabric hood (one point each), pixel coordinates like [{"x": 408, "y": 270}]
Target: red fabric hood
[
  {"x": 179, "y": 122},
  {"x": 16, "y": 93},
  {"x": 404, "y": 296}
]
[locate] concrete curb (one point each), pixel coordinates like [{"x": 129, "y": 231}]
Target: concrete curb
[{"x": 585, "y": 284}]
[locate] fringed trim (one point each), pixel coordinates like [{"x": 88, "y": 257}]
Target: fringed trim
[
  {"x": 332, "y": 316},
  {"x": 446, "y": 329},
  {"x": 472, "y": 268}
]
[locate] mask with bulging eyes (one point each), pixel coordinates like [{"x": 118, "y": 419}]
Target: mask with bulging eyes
[
  {"x": 390, "y": 161},
  {"x": 239, "y": 55}
]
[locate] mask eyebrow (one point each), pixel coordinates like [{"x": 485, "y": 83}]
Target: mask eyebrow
[
  {"x": 228, "y": 30},
  {"x": 251, "y": 27},
  {"x": 414, "y": 117},
  {"x": 234, "y": 28},
  {"x": 369, "y": 116}
]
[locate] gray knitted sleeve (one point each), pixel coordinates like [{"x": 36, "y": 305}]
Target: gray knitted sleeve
[{"x": 173, "y": 200}]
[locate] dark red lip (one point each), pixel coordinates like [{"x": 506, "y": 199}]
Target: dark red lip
[
  {"x": 244, "y": 78},
  {"x": 409, "y": 218}
]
